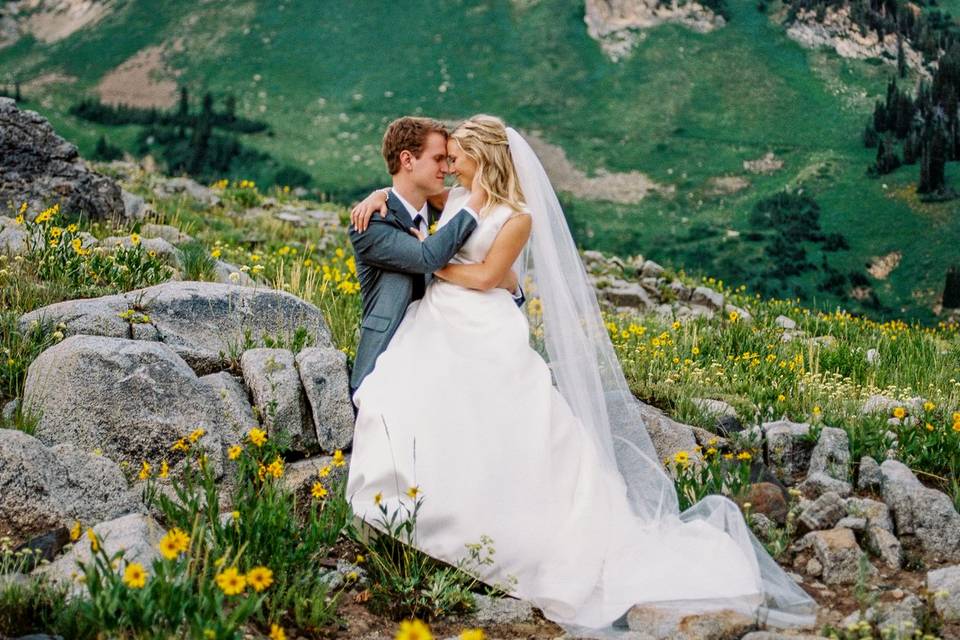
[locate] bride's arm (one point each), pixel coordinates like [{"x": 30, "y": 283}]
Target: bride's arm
[
  {"x": 377, "y": 201},
  {"x": 490, "y": 273}
]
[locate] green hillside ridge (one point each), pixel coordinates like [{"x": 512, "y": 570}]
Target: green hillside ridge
[{"x": 684, "y": 108}]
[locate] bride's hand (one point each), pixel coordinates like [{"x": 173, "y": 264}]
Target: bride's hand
[{"x": 361, "y": 213}]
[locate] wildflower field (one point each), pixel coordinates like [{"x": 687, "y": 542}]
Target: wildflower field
[{"x": 244, "y": 561}]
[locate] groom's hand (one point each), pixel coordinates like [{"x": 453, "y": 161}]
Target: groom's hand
[{"x": 361, "y": 213}]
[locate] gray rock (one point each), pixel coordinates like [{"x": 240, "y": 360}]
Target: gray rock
[
  {"x": 819, "y": 483},
  {"x": 762, "y": 526},
  {"x": 271, "y": 375},
  {"x": 925, "y": 514},
  {"x": 823, "y": 513},
  {"x": 669, "y": 436},
  {"x": 231, "y": 274},
  {"x": 300, "y": 476},
  {"x": 13, "y": 240},
  {"x": 707, "y": 297},
  {"x": 234, "y": 403},
  {"x": 838, "y": 553},
  {"x": 134, "y": 207},
  {"x": 206, "y": 323},
  {"x": 858, "y": 525},
  {"x": 664, "y": 624},
  {"x": 175, "y": 186},
  {"x": 885, "y": 545},
  {"x": 814, "y": 568},
  {"x": 168, "y": 232},
  {"x": 876, "y": 513},
  {"x": 136, "y": 535},
  {"x": 873, "y": 356},
  {"x": 785, "y": 323},
  {"x": 9, "y": 413},
  {"x": 714, "y": 407},
  {"x": 681, "y": 290},
  {"x": 323, "y": 372},
  {"x": 831, "y": 455},
  {"x": 651, "y": 269},
  {"x": 38, "y": 166},
  {"x": 44, "y": 488},
  {"x": 131, "y": 399},
  {"x": 742, "y": 314},
  {"x": 627, "y": 294},
  {"x": 879, "y": 404},
  {"x": 869, "y": 477},
  {"x": 896, "y": 619},
  {"x": 788, "y": 449},
  {"x": 944, "y": 586},
  {"x": 773, "y": 635},
  {"x": 491, "y": 611},
  {"x": 292, "y": 218}
]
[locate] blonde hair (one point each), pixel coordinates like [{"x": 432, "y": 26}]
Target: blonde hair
[{"x": 483, "y": 139}]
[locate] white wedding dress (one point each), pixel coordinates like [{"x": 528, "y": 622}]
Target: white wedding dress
[{"x": 461, "y": 406}]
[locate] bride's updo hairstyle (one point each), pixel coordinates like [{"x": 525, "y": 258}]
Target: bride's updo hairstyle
[{"x": 483, "y": 139}]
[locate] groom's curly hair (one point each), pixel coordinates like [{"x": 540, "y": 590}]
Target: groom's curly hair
[{"x": 408, "y": 133}]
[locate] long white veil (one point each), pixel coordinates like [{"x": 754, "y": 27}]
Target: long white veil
[{"x": 588, "y": 375}]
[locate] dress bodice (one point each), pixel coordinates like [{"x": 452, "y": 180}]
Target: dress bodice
[{"x": 475, "y": 249}]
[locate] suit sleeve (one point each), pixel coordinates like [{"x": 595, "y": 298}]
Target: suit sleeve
[{"x": 385, "y": 246}]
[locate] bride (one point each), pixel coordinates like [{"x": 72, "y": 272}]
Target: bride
[{"x": 546, "y": 454}]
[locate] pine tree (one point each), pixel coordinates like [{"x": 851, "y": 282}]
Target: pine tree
[
  {"x": 184, "y": 106},
  {"x": 901, "y": 57},
  {"x": 933, "y": 159},
  {"x": 16, "y": 91},
  {"x": 951, "y": 288}
]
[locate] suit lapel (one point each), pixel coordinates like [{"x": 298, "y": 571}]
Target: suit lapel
[{"x": 399, "y": 211}]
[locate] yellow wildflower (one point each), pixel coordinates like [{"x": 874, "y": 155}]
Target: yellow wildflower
[
  {"x": 681, "y": 458},
  {"x": 377, "y": 499},
  {"x": 164, "y": 469},
  {"x": 174, "y": 543},
  {"x": 324, "y": 471},
  {"x": 234, "y": 452},
  {"x": 145, "y": 470},
  {"x": 257, "y": 436},
  {"x": 781, "y": 398},
  {"x": 180, "y": 445},
  {"x": 259, "y": 578},
  {"x": 75, "y": 531},
  {"x": 929, "y": 427},
  {"x": 695, "y": 351},
  {"x": 134, "y": 575},
  {"x": 733, "y": 316},
  {"x": 360, "y": 559},
  {"x": 135, "y": 239},
  {"x": 276, "y": 632},
  {"x": 94, "y": 541},
  {"x": 318, "y": 491},
  {"x": 929, "y": 406},
  {"x": 956, "y": 427},
  {"x": 73, "y": 228},
  {"x": 413, "y": 492},
  {"x": 276, "y": 468},
  {"x": 413, "y": 630},
  {"x": 215, "y": 253},
  {"x": 899, "y": 412},
  {"x": 817, "y": 410},
  {"x": 744, "y": 455},
  {"x": 235, "y": 515},
  {"x": 338, "y": 459},
  {"x": 196, "y": 434},
  {"x": 231, "y": 581}
]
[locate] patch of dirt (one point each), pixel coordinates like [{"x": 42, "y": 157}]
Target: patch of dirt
[
  {"x": 53, "y": 20},
  {"x": 725, "y": 185},
  {"x": 881, "y": 266},
  {"x": 623, "y": 188},
  {"x": 142, "y": 81},
  {"x": 47, "y": 79},
  {"x": 767, "y": 164}
]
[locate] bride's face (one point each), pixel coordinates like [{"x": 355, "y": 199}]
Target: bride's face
[{"x": 460, "y": 164}]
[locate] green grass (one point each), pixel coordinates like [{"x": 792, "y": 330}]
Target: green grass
[{"x": 685, "y": 107}]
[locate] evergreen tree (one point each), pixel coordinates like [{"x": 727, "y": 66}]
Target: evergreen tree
[
  {"x": 933, "y": 159},
  {"x": 901, "y": 57},
  {"x": 870, "y": 136},
  {"x": 184, "y": 106},
  {"x": 231, "y": 108},
  {"x": 951, "y": 288},
  {"x": 16, "y": 91}
]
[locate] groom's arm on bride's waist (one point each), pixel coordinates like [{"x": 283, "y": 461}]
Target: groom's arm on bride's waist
[{"x": 386, "y": 246}]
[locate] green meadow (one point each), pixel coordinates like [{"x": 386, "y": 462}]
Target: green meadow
[{"x": 684, "y": 108}]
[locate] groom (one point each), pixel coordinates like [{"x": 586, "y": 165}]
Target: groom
[{"x": 393, "y": 265}]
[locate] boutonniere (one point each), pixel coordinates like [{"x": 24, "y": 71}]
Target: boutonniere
[{"x": 432, "y": 229}]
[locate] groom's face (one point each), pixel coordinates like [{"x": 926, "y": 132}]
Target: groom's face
[{"x": 430, "y": 168}]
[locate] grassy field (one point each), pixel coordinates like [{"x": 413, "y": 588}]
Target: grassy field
[{"x": 684, "y": 108}]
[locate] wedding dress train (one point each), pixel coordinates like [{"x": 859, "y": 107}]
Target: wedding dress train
[{"x": 460, "y": 406}]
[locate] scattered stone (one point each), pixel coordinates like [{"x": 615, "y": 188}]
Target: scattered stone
[
  {"x": 823, "y": 513},
  {"x": 785, "y": 323},
  {"x": 768, "y": 163},
  {"x": 831, "y": 455},
  {"x": 651, "y": 269},
  {"x": 876, "y": 513},
  {"x": 39, "y": 167},
  {"x": 741, "y": 313},
  {"x": 767, "y": 498},
  {"x": 45, "y": 546},
  {"x": 491, "y": 611},
  {"x": 163, "y": 249},
  {"x": 234, "y": 403},
  {"x": 859, "y": 525},
  {"x": 707, "y": 297},
  {"x": 869, "y": 477},
  {"x": 944, "y": 586},
  {"x": 128, "y": 398},
  {"x": 819, "y": 483},
  {"x": 188, "y": 186},
  {"x": 669, "y": 436},
  {"x": 728, "y": 425},
  {"x": 326, "y": 382},
  {"x": 926, "y": 514},
  {"x": 763, "y": 526},
  {"x": 134, "y": 207},
  {"x": 885, "y": 545},
  {"x": 899, "y": 617},
  {"x": 788, "y": 449},
  {"x": 45, "y": 488},
  {"x": 814, "y": 568},
  {"x": 171, "y": 234},
  {"x": 838, "y": 553},
  {"x": 300, "y": 476},
  {"x": 714, "y": 407},
  {"x": 663, "y": 624},
  {"x": 873, "y": 356},
  {"x": 278, "y": 396},
  {"x": 13, "y": 239},
  {"x": 626, "y": 294},
  {"x": 231, "y": 274},
  {"x": 137, "y": 535},
  {"x": 879, "y": 404}
]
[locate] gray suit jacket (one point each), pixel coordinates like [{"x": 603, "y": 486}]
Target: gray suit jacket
[{"x": 394, "y": 268}]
